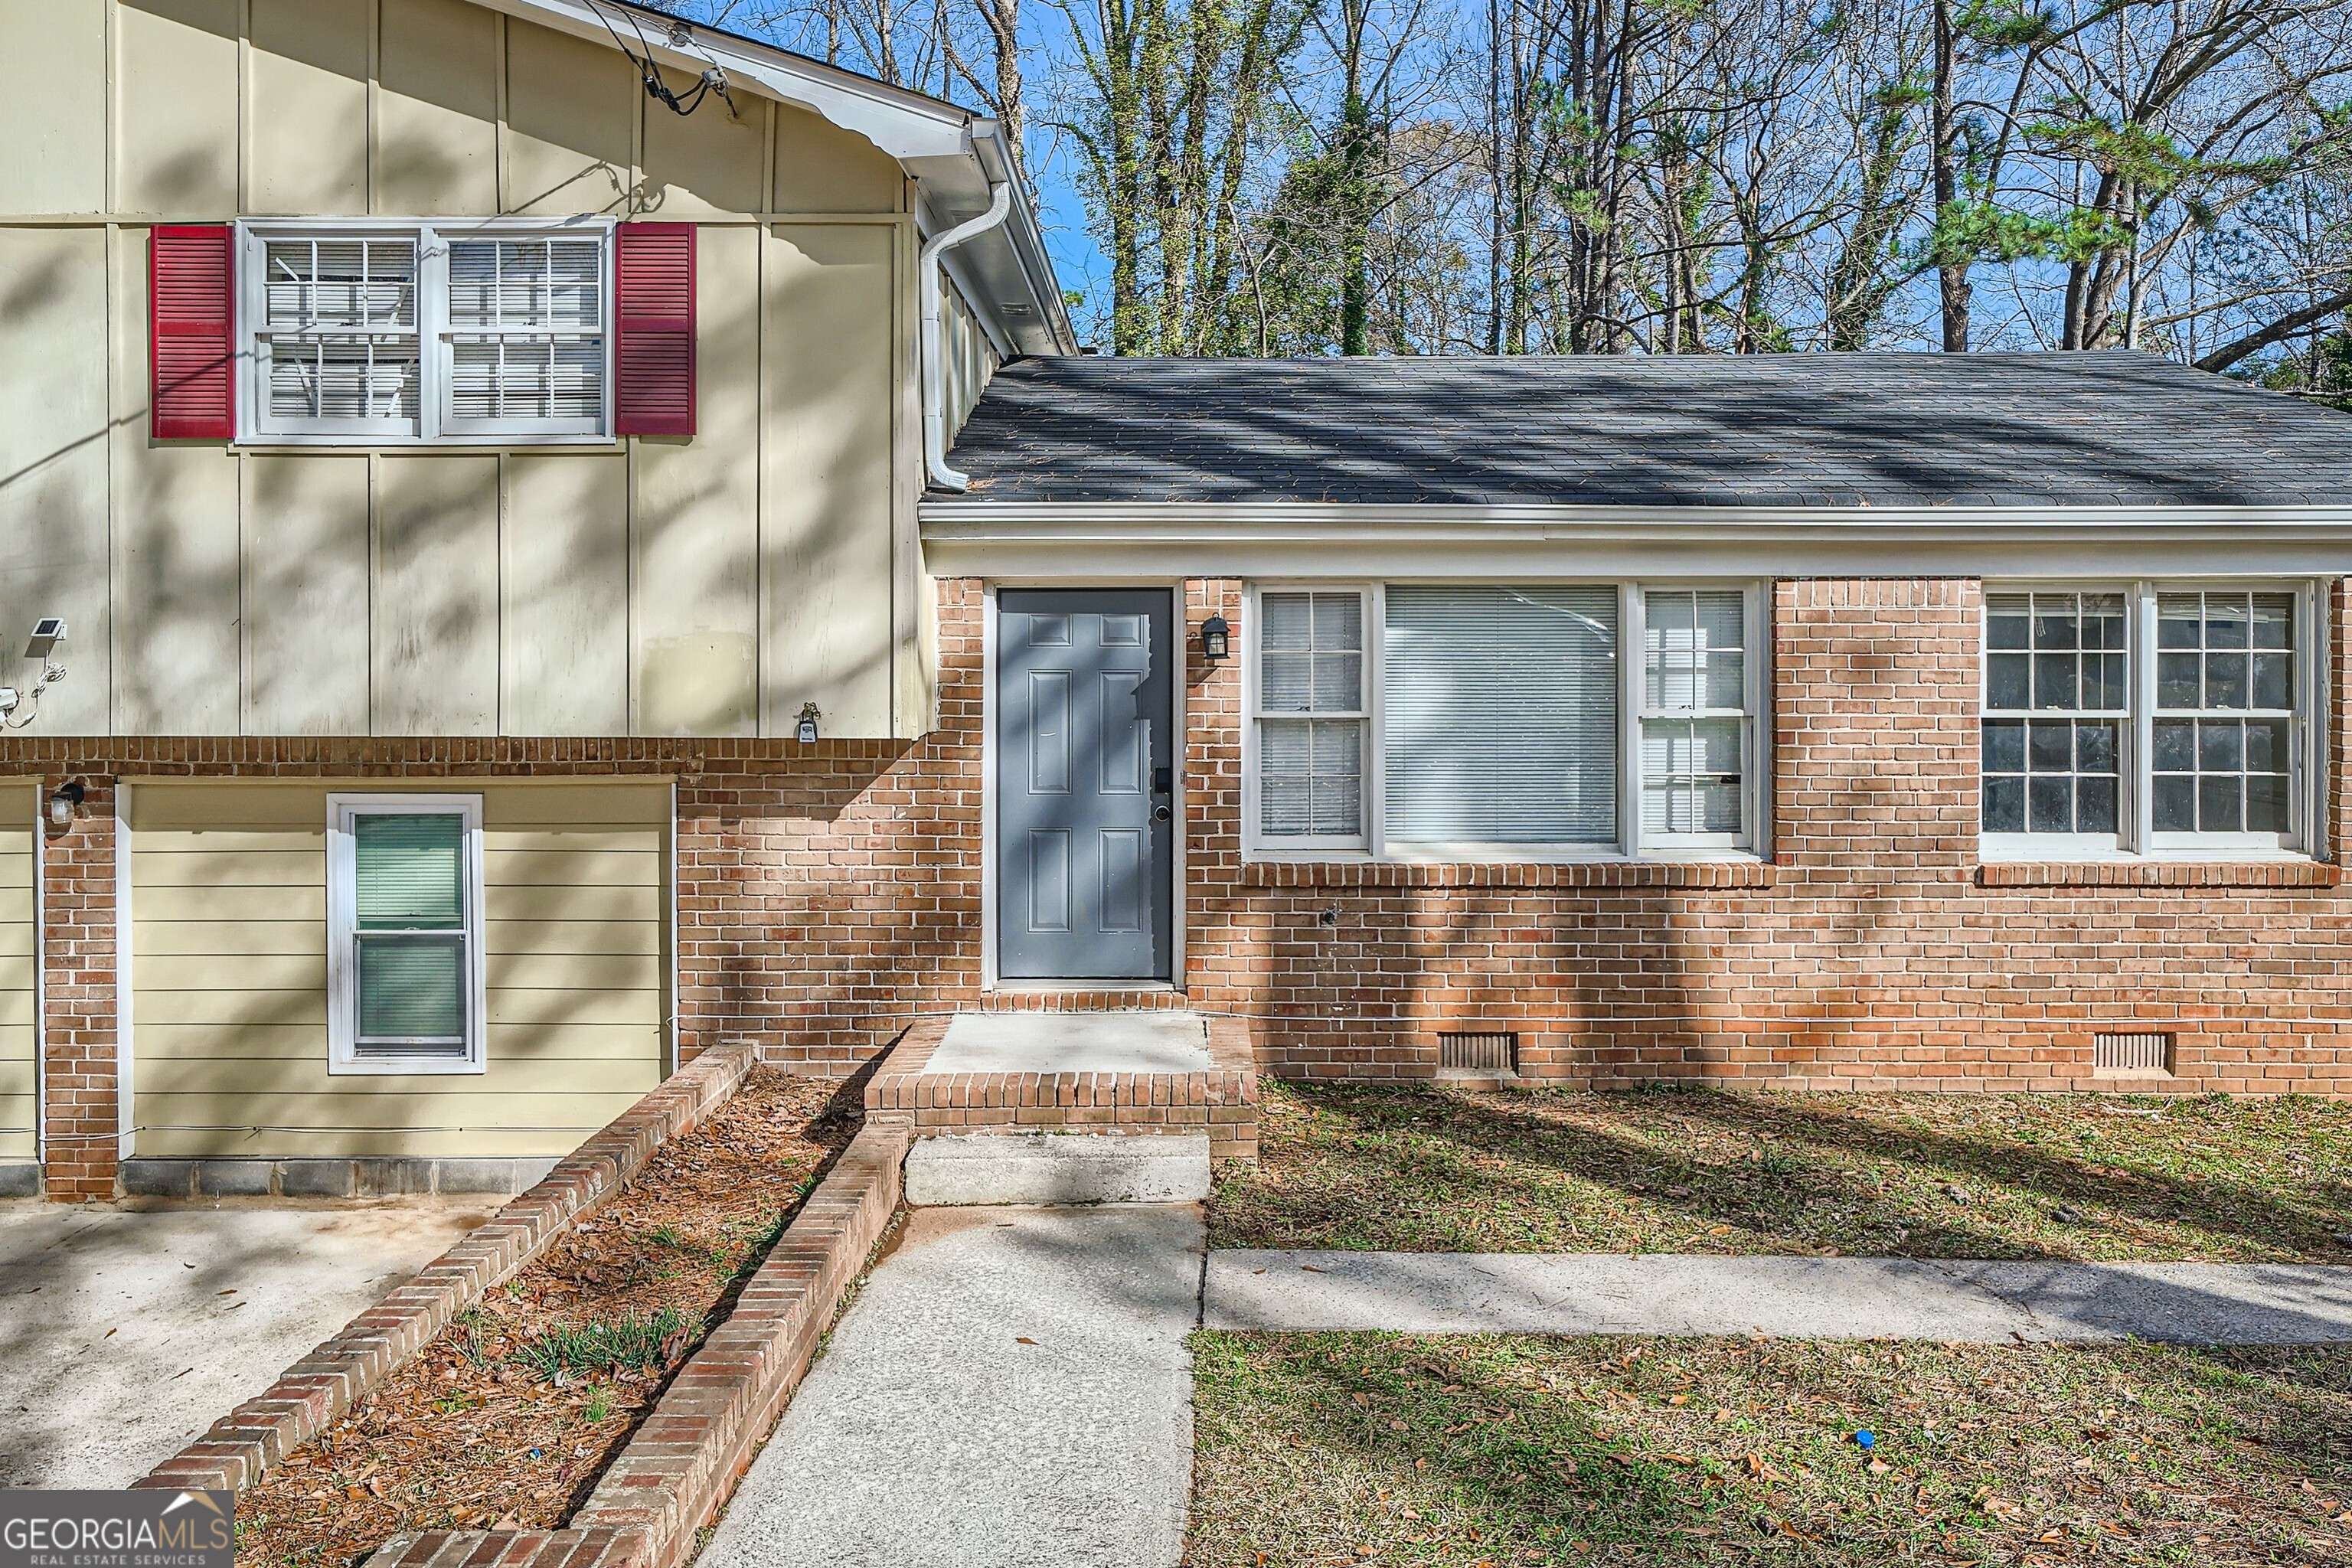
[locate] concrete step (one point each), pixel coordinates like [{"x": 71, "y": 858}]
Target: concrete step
[{"x": 955, "y": 1169}]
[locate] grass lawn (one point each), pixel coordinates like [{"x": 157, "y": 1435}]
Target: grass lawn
[
  {"x": 1460, "y": 1451},
  {"x": 1920, "y": 1175}
]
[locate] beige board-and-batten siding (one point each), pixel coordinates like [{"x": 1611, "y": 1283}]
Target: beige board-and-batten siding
[
  {"x": 710, "y": 585},
  {"x": 20, "y": 1097},
  {"x": 228, "y": 964}
]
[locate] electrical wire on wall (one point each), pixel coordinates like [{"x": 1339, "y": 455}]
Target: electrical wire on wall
[{"x": 681, "y": 36}]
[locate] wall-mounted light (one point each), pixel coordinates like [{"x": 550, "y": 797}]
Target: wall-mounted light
[
  {"x": 65, "y": 801},
  {"x": 1216, "y": 639},
  {"x": 805, "y": 731}
]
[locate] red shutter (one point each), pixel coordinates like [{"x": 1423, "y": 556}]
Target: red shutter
[
  {"x": 652, "y": 357},
  {"x": 191, "y": 315}
]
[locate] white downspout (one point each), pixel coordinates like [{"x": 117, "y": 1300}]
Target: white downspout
[{"x": 934, "y": 367}]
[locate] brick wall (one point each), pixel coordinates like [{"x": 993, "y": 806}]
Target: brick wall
[
  {"x": 1873, "y": 951},
  {"x": 827, "y": 894},
  {"x": 80, "y": 1131}
]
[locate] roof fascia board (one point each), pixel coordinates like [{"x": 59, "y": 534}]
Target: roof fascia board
[
  {"x": 1094, "y": 524},
  {"x": 947, "y": 150},
  {"x": 1539, "y": 557},
  {"x": 901, "y": 123}
]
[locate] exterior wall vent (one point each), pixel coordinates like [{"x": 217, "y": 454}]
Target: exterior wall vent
[
  {"x": 2146, "y": 1054},
  {"x": 1478, "y": 1053}
]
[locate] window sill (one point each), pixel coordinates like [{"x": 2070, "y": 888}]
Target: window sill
[
  {"x": 1728, "y": 873},
  {"x": 2157, "y": 874},
  {"x": 269, "y": 445}
]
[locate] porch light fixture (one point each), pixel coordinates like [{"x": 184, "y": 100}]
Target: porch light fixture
[
  {"x": 1216, "y": 639},
  {"x": 805, "y": 731},
  {"x": 65, "y": 801}
]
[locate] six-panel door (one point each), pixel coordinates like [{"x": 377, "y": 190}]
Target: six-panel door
[{"x": 1084, "y": 798}]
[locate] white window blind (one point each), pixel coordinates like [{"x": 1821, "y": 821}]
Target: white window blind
[
  {"x": 526, "y": 338},
  {"x": 405, "y": 971},
  {"x": 336, "y": 344},
  {"x": 389, "y": 332},
  {"x": 1694, "y": 714},
  {"x": 1311, "y": 662},
  {"x": 1499, "y": 715}
]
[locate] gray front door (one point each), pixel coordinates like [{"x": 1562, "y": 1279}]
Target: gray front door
[{"x": 1084, "y": 828}]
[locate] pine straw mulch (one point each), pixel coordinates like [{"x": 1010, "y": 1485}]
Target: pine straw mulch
[{"x": 473, "y": 1432}]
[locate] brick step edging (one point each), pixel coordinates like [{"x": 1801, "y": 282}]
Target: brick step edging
[
  {"x": 685, "y": 1457},
  {"x": 317, "y": 1390}
]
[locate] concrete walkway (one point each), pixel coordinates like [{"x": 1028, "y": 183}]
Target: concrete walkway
[
  {"x": 125, "y": 1332},
  {"x": 1010, "y": 1390},
  {"x": 1824, "y": 1298}
]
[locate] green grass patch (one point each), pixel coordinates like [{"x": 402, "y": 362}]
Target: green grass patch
[
  {"x": 632, "y": 1342},
  {"x": 1458, "y": 1452},
  {"x": 1922, "y": 1175}
]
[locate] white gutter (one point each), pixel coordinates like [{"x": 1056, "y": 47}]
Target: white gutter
[
  {"x": 1092, "y": 523},
  {"x": 934, "y": 356}
]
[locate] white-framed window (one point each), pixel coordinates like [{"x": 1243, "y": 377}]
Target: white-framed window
[
  {"x": 405, "y": 969},
  {"x": 1312, "y": 712},
  {"x": 377, "y": 332},
  {"x": 1502, "y": 721},
  {"x": 2144, "y": 717}
]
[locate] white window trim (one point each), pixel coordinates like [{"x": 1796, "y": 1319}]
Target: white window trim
[
  {"x": 342, "y": 922},
  {"x": 2136, "y": 838},
  {"x": 432, "y": 335},
  {"x": 1373, "y": 844}
]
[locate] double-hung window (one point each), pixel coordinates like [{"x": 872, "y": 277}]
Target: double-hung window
[
  {"x": 1312, "y": 715},
  {"x": 1502, "y": 721},
  {"x": 2147, "y": 718},
  {"x": 405, "y": 974},
  {"x": 381, "y": 332}
]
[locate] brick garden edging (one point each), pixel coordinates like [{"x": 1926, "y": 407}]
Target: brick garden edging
[
  {"x": 316, "y": 1391},
  {"x": 684, "y": 1460},
  {"x": 1220, "y": 1101}
]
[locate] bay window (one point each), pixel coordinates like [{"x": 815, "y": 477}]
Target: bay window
[
  {"x": 383, "y": 333},
  {"x": 1502, "y": 721},
  {"x": 2146, "y": 718}
]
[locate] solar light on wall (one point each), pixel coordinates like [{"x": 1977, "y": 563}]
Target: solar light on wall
[
  {"x": 805, "y": 731},
  {"x": 1216, "y": 639}
]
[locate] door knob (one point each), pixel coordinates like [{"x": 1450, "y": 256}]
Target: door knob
[{"x": 1161, "y": 814}]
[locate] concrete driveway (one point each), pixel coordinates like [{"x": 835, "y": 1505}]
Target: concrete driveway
[{"x": 124, "y": 1332}]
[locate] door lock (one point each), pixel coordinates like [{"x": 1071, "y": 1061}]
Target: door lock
[
  {"x": 1162, "y": 781},
  {"x": 1161, "y": 814}
]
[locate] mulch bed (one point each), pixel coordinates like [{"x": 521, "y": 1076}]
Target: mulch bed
[
  {"x": 507, "y": 1419},
  {"x": 2093, "y": 1177}
]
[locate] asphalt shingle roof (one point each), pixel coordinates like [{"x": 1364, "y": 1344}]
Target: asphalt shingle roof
[{"x": 1790, "y": 430}]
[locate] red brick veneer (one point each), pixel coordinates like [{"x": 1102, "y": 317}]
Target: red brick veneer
[
  {"x": 1875, "y": 952},
  {"x": 79, "y": 1108},
  {"x": 829, "y": 895},
  {"x": 683, "y": 1462},
  {"x": 316, "y": 1391},
  {"x": 1222, "y": 1102}
]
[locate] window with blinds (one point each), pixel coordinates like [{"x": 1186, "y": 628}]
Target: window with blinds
[
  {"x": 526, "y": 337},
  {"x": 500, "y": 331},
  {"x": 1311, "y": 712},
  {"x": 1694, "y": 715},
  {"x": 1499, "y": 715},
  {"x": 403, "y": 899},
  {"x": 337, "y": 346}
]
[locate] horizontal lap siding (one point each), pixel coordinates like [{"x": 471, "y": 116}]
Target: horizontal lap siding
[
  {"x": 230, "y": 975},
  {"x": 19, "y": 1077}
]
